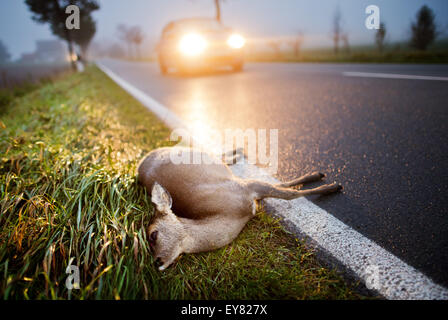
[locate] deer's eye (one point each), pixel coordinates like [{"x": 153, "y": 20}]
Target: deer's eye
[{"x": 153, "y": 236}]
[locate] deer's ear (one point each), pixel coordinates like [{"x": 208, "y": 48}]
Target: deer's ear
[{"x": 161, "y": 198}]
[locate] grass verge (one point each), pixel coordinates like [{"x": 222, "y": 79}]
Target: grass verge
[
  {"x": 69, "y": 196},
  {"x": 7, "y": 96},
  {"x": 361, "y": 56}
]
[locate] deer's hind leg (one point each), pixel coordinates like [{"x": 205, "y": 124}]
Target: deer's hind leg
[
  {"x": 266, "y": 190},
  {"x": 310, "y": 177},
  {"x": 231, "y": 157}
]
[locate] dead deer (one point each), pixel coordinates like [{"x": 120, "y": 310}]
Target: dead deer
[{"x": 202, "y": 207}]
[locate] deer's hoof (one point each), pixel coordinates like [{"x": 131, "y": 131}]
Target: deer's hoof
[
  {"x": 158, "y": 262},
  {"x": 339, "y": 188},
  {"x": 321, "y": 175}
]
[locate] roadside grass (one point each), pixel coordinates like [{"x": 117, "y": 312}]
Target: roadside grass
[
  {"x": 7, "y": 95},
  {"x": 355, "y": 56},
  {"x": 69, "y": 152}
]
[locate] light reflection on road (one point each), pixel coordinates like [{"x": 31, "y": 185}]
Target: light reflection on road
[{"x": 200, "y": 113}]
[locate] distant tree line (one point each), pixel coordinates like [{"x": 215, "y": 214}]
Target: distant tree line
[{"x": 423, "y": 31}]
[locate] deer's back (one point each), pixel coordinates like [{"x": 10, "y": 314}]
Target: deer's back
[{"x": 197, "y": 190}]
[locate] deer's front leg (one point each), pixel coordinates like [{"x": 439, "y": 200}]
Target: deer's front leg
[{"x": 212, "y": 232}]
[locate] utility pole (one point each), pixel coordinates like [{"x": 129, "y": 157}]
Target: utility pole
[{"x": 218, "y": 10}]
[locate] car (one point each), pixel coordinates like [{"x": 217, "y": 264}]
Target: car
[{"x": 189, "y": 45}]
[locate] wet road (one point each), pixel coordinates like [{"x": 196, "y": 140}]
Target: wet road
[{"x": 385, "y": 140}]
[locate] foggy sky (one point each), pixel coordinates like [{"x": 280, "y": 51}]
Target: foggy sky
[{"x": 253, "y": 18}]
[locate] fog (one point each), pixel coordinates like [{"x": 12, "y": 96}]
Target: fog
[{"x": 253, "y": 18}]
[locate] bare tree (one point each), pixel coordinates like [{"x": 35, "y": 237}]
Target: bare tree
[
  {"x": 297, "y": 43},
  {"x": 337, "y": 30},
  {"x": 136, "y": 36},
  {"x": 133, "y": 37},
  {"x": 380, "y": 36},
  {"x": 125, "y": 36},
  {"x": 346, "y": 44}
]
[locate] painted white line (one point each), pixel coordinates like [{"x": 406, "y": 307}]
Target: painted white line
[
  {"x": 171, "y": 119},
  {"x": 375, "y": 266},
  {"x": 392, "y": 76}
]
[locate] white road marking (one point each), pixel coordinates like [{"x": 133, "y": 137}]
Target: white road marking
[
  {"x": 392, "y": 76},
  {"x": 394, "y": 279}
]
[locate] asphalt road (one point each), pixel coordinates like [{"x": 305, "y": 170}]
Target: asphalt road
[{"x": 385, "y": 140}]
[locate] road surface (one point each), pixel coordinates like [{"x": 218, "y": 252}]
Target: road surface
[{"x": 383, "y": 137}]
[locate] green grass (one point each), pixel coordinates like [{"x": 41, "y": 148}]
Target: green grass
[
  {"x": 69, "y": 152},
  {"x": 356, "y": 55},
  {"x": 7, "y": 96}
]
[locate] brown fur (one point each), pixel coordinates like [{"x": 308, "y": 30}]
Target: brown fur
[{"x": 202, "y": 207}]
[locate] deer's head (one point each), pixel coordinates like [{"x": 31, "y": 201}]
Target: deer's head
[{"x": 166, "y": 233}]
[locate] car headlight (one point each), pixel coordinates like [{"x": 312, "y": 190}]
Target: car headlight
[
  {"x": 192, "y": 44},
  {"x": 236, "y": 41}
]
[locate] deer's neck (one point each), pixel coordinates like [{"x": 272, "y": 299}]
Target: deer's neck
[{"x": 211, "y": 233}]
